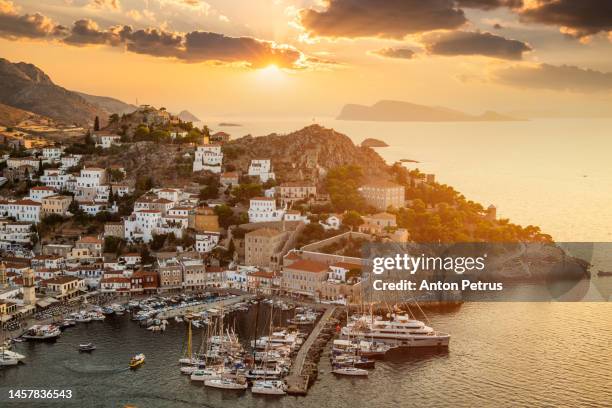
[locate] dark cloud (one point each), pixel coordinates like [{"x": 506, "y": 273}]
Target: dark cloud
[
  {"x": 203, "y": 46},
  {"x": 557, "y": 78},
  {"x": 153, "y": 41},
  {"x": 13, "y": 25},
  {"x": 578, "y": 18},
  {"x": 490, "y": 4},
  {"x": 86, "y": 32},
  {"x": 375, "y": 18},
  {"x": 404, "y": 53},
  {"x": 475, "y": 43}
]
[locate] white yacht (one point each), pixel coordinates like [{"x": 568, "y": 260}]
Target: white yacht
[
  {"x": 399, "y": 331},
  {"x": 227, "y": 384},
  {"x": 351, "y": 371},
  {"x": 206, "y": 374},
  {"x": 268, "y": 387}
]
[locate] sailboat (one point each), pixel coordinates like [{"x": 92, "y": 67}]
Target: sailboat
[
  {"x": 268, "y": 386},
  {"x": 8, "y": 357},
  {"x": 349, "y": 370}
]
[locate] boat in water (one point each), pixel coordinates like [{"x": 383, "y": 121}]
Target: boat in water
[
  {"x": 87, "y": 347},
  {"x": 46, "y": 332},
  {"x": 137, "y": 361},
  {"x": 269, "y": 387},
  {"x": 227, "y": 383},
  {"x": 211, "y": 373},
  {"x": 350, "y": 371},
  {"x": 399, "y": 331}
]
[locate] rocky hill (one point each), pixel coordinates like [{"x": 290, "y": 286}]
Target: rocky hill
[
  {"x": 110, "y": 105},
  {"x": 305, "y": 154},
  {"x": 26, "y": 87},
  {"x": 10, "y": 116}
]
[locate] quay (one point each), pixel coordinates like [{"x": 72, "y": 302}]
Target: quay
[
  {"x": 301, "y": 375},
  {"x": 179, "y": 311}
]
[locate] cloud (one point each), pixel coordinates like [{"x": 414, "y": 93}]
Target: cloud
[
  {"x": 195, "y": 46},
  {"x": 13, "y": 25},
  {"x": 374, "y": 18},
  {"x": 204, "y": 46},
  {"x": 556, "y": 78},
  {"x": 578, "y": 18},
  {"x": 111, "y": 4},
  {"x": 402, "y": 53},
  {"x": 86, "y": 32},
  {"x": 475, "y": 43},
  {"x": 490, "y": 4}
]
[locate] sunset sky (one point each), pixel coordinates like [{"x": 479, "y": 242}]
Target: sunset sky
[{"x": 297, "y": 58}]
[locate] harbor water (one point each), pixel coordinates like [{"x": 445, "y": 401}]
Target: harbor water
[{"x": 501, "y": 354}]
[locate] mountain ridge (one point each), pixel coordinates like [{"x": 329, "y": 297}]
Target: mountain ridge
[{"x": 400, "y": 111}]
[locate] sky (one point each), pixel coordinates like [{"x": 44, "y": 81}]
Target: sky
[{"x": 292, "y": 58}]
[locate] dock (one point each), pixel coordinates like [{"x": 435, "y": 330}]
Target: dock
[
  {"x": 180, "y": 311},
  {"x": 298, "y": 379}
]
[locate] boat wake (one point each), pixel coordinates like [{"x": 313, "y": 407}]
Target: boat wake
[{"x": 92, "y": 369}]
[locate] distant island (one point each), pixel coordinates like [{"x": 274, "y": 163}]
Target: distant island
[
  {"x": 370, "y": 142},
  {"x": 398, "y": 111},
  {"x": 229, "y": 124},
  {"x": 187, "y": 116}
]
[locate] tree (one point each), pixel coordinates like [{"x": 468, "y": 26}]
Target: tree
[
  {"x": 114, "y": 118},
  {"x": 141, "y": 133},
  {"x": 96, "y": 124},
  {"x": 225, "y": 214},
  {"x": 343, "y": 183},
  {"x": 352, "y": 219}
]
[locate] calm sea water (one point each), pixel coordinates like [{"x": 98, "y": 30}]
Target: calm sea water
[
  {"x": 553, "y": 173},
  {"x": 501, "y": 354}
]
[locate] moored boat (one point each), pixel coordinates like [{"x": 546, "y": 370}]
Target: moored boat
[
  {"x": 227, "y": 383},
  {"x": 350, "y": 371},
  {"x": 268, "y": 387},
  {"x": 45, "y": 332}
]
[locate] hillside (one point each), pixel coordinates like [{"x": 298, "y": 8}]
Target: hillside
[
  {"x": 388, "y": 111},
  {"x": 110, "y": 105},
  {"x": 305, "y": 154},
  {"x": 302, "y": 155},
  {"x": 26, "y": 87},
  {"x": 10, "y": 116}
]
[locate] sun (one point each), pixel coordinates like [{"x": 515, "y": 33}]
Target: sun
[
  {"x": 271, "y": 69},
  {"x": 271, "y": 73}
]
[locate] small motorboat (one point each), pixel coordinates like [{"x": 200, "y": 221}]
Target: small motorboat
[
  {"x": 351, "y": 371},
  {"x": 87, "y": 347},
  {"x": 137, "y": 361}
]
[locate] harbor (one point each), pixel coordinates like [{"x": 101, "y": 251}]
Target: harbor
[{"x": 474, "y": 352}]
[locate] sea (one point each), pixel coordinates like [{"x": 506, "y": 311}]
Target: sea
[
  {"x": 553, "y": 173},
  {"x": 511, "y": 354}
]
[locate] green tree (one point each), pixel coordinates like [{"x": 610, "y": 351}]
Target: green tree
[
  {"x": 352, "y": 219},
  {"x": 342, "y": 184},
  {"x": 96, "y": 124}
]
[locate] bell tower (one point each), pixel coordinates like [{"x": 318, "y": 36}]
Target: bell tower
[
  {"x": 29, "y": 290},
  {"x": 3, "y": 279}
]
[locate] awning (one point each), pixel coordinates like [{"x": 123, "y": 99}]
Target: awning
[{"x": 46, "y": 301}]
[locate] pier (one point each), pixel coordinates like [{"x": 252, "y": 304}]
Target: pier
[
  {"x": 300, "y": 378},
  {"x": 180, "y": 311}
]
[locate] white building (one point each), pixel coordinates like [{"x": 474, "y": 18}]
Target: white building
[
  {"x": 207, "y": 241},
  {"x": 208, "y": 157},
  {"x": 55, "y": 179},
  {"x": 22, "y": 210},
  {"x": 263, "y": 209},
  {"x": 333, "y": 222},
  {"x": 91, "y": 177},
  {"x": 294, "y": 215},
  {"x": 37, "y": 193},
  {"x": 106, "y": 140},
  {"x": 70, "y": 161},
  {"x": 52, "y": 153},
  {"x": 261, "y": 168}
]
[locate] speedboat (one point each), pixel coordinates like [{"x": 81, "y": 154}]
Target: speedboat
[
  {"x": 8, "y": 354},
  {"x": 87, "y": 347},
  {"x": 268, "y": 387},
  {"x": 137, "y": 361},
  {"x": 227, "y": 384},
  {"x": 351, "y": 371},
  {"x": 82, "y": 318},
  {"x": 8, "y": 361}
]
